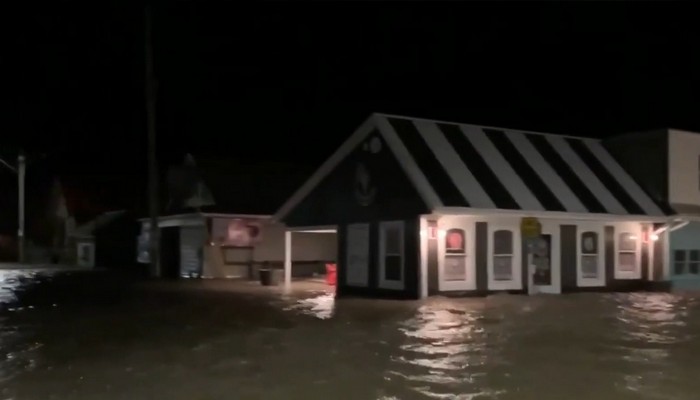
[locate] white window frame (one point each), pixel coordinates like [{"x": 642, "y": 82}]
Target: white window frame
[
  {"x": 517, "y": 282},
  {"x": 468, "y": 225},
  {"x": 686, "y": 263},
  {"x": 385, "y": 283},
  {"x": 599, "y": 229},
  {"x": 636, "y": 230}
]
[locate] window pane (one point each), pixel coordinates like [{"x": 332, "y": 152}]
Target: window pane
[
  {"x": 627, "y": 262},
  {"x": 392, "y": 268},
  {"x": 455, "y": 241},
  {"x": 589, "y": 243},
  {"x": 627, "y": 242},
  {"x": 392, "y": 240},
  {"x": 679, "y": 268},
  {"x": 679, "y": 255},
  {"x": 694, "y": 255},
  {"x": 693, "y": 267},
  {"x": 455, "y": 268},
  {"x": 589, "y": 266},
  {"x": 502, "y": 268},
  {"x": 503, "y": 242}
]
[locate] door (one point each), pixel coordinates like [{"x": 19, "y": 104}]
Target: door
[
  {"x": 455, "y": 252},
  {"x": 192, "y": 239},
  {"x": 543, "y": 259},
  {"x": 170, "y": 252}
]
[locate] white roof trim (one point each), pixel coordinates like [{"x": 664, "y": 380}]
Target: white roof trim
[
  {"x": 206, "y": 215},
  {"x": 413, "y": 172},
  {"x": 326, "y": 168},
  {"x": 550, "y": 215}
]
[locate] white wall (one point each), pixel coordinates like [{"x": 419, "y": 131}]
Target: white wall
[
  {"x": 684, "y": 167},
  {"x": 305, "y": 246}
]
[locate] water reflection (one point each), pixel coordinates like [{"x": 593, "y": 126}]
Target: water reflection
[
  {"x": 444, "y": 350},
  {"x": 649, "y": 325},
  {"x": 321, "y": 306},
  {"x": 224, "y": 345}
]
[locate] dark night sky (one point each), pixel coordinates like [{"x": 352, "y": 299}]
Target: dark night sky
[{"x": 290, "y": 81}]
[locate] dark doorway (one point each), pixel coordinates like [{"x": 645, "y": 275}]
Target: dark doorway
[
  {"x": 170, "y": 252},
  {"x": 542, "y": 258}
]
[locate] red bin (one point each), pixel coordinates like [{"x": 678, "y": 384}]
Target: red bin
[{"x": 331, "y": 274}]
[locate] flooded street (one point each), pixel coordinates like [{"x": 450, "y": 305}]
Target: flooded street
[{"x": 122, "y": 340}]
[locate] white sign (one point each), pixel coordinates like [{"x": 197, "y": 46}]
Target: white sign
[{"x": 357, "y": 246}]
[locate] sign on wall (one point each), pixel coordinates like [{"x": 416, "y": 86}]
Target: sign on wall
[
  {"x": 357, "y": 245},
  {"x": 530, "y": 228},
  {"x": 238, "y": 232}
]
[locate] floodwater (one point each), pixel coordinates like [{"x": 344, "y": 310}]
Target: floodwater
[{"x": 84, "y": 337}]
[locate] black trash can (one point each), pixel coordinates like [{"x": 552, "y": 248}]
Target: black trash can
[{"x": 268, "y": 277}]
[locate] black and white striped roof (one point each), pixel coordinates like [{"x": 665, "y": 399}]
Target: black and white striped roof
[{"x": 459, "y": 165}]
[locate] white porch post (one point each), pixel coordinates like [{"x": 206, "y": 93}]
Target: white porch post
[
  {"x": 287, "y": 261},
  {"x": 666, "y": 275}
]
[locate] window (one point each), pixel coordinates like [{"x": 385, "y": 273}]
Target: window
[
  {"x": 391, "y": 253},
  {"x": 455, "y": 255},
  {"x": 627, "y": 252},
  {"x": 503, "y": 255},
  {"x": 686, "y": 262},
  {"x": 589, "y": 255}
]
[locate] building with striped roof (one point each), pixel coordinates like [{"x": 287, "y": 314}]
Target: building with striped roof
[
  {"x": 425, "y": 207},
  {"x": 666, "y": 163}
]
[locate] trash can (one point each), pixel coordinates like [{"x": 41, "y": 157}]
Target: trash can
[{"x": 267, "y": 277}]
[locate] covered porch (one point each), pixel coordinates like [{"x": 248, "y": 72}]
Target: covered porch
[{"x": 294, "y": 240}]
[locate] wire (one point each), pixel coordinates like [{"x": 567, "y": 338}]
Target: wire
[{"x": 5, "y": 163}]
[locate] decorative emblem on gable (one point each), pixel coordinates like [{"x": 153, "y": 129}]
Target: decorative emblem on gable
[{"x": 365, "y": 191}]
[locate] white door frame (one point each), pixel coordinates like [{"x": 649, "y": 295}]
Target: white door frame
[
  {"x": 468, "y": 225},
  {"x": 384, "y": 283},
  {"x": 554, "y": 262}
]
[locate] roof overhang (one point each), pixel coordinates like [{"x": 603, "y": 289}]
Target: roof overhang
[
  {"x": 326, "y": 168},
  {"x": 206, "y": 215},
  {"x": 551, "y": 215}
]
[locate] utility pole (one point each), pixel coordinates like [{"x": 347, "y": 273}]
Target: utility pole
[
  {"x": 154, "y": 245},
  {"x": 21, "y": 170}
]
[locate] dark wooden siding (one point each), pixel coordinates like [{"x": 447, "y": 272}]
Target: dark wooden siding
[
  {"x": 569, "y": 257},
  {"x": 433, "y": 262},
  {"x": 334, "y": 200},
  {"x": 609, "y": 246},
  {"x": 481, "y": 254}
]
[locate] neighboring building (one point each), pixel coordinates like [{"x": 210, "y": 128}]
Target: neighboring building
[
  {"x": 204, "y": 234},
  {"x": 666, "y": 163},
  {"x": 426, "y": 207}
]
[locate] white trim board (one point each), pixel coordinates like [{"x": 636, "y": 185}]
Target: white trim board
[
  {"x": 420, "y": 181},
  {"x": 566, "y": 216},
  {"x": 207, "y": 215},
  {"x": 326, "y": 168},
  {"x": 406, "y": 162}
]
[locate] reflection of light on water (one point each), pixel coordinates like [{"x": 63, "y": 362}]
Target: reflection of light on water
[
  {"x": 447, "y": 345},
  {"x": 647, "y": 323},
  {"x": 322, "y": 306}
]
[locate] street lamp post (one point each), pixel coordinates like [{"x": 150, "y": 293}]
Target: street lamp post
[{"x": 21, "y": 172}]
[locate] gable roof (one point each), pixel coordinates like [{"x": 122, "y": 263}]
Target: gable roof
[
  {"x": 456, "y": 165},
  {"x": 234, "y": 186}
]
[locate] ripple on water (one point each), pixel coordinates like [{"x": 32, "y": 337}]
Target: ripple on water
[{"x": 574, "y": 347}]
